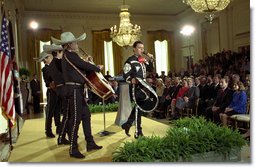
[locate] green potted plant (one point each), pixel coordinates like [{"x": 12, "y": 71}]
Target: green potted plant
[
  {"x": 97, "y": 108},
  {"x": 24, "y": 72},
  {"x": 191, "y": 139}
]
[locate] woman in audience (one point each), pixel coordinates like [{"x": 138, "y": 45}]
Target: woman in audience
[
  {"x": 159, "y": 87},
  {"x": 181, "y": 92},
  {"x": 237, "y": 105},
  {"x": 189, "y": 98}
]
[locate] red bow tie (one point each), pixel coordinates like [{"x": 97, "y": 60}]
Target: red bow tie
[{"x": 141, "y": 59}]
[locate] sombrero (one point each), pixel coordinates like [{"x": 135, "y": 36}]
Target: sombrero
[
  {"x": 67, "y": 37},
  {"x": 43, "y": 55},
  {"x": 51, "y": 48},
  {"x": 145, "y": 97}
]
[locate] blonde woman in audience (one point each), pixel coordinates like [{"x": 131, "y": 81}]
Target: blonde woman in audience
[{"x": 160, "y": 86}]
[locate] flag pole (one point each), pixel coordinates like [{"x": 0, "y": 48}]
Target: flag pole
[
  {"x": 18, "y": 126},
  {"x": 10, "y": 133},
  {"x": 2, "y": 6}
]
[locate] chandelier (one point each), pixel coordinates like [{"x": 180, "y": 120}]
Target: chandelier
[
  {"x": 207, "y": 6},
  {"x": 127, "y": 33}
]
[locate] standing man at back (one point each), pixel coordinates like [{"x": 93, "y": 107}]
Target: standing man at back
[{"x": 36, "y": 92}]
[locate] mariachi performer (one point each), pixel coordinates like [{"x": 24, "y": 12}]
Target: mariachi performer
[
  {"x": 142, "y": 94},
  {"x": 73, "y": 69},
  {"x": 52, "y": 110},
  {"x": 55, "y": 71}
]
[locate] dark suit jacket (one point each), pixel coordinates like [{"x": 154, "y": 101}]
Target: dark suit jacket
[
  {"x": 224, "y": 98},
  {"x": 35, "y": 87},
  {"x": 175, "y": 91},
  {"x": 193, "y": 94}
]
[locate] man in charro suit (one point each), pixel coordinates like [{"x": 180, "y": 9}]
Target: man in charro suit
[
  {"x": 73, "y": 69},
  {"x": 55, "y": 72},
  {"x": 53, "y": 108},
  {"x": 136, "y": 67}
]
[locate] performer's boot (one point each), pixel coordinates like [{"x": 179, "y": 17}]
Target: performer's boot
[
  {"x": 63, "y": 141},
  {"x": 76, "y": 154},
  {"x": 58, "y": 129},
  {"x": 74, "y": 151},
  {"x": 49, "y": 134},
  {"x": 138, "y": 134},
  {"x": 126, "y": 127},
  {"x": 93, "y": 146}
]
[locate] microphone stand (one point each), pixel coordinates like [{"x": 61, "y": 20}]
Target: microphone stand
[{"x": 104, "y": 132}]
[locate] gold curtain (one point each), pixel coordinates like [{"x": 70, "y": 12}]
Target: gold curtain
[
  {"x": 162, "y": 35},
  {"x": 34, "y": 38},
  {"x": 98, "y": 49},
  {"x": 117, "y": 58}
]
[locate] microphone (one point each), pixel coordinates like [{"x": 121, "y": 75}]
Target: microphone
[{"x": 146, "y": 54}]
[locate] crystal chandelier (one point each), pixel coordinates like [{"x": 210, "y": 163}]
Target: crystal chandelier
[
  {"x": 207, "y": 6},
  {"x": 127, "y": 33}
]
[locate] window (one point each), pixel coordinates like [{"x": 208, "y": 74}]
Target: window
[
  {"x": 108, "y": 58},
  {"x": 161, "y": 51}
]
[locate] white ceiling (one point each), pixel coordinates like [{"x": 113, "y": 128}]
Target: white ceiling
[{"x": 146, "y": 7}]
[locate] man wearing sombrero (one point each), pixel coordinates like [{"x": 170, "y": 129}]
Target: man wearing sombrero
[
  {"x": 53, "y": 110},
  {"x": 55, "y": 72},
  {"x": 73, "y": 70}
]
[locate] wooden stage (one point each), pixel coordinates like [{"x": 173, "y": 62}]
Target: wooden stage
[{"x": 33, "y": 146}]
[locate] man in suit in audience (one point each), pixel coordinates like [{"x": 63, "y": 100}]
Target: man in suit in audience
[
  {"x": 223, "y": 100},
  {"x": 204, "y": 95},
  {"x": 213, "y": 90}
]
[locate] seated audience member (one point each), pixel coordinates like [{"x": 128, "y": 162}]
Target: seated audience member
[
  {"x": 189, "y": 98},
  {"x": 107, "y": 76},
  {"x": 115, "y": 86},
  {"x": 163, "y": 76},
  {"x": 204, "y": 95},
  {"x": 213, "y": 90},
  {"x": 181, "y": 92},
  {"x": 223, "y": 100},
  {"x": 197, "y": 81},
  {"x": 237, "y": 105},
  {"x": 160, "y": 88},
  {"x": 151, "y": 82},
  {"x": 247, "y": 85},
  {"x": 164, "y": 100}
]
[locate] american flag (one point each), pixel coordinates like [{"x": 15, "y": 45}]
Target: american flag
[{"x": 6, "y": 82}]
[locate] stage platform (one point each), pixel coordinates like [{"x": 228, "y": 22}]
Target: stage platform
[{"x": 33, "y": 146}]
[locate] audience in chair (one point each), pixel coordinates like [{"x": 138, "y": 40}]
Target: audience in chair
[
  {"x": 237, "y": 105},
  {"x": 223, "y": 100},
  {"x": 189, "y": 98}
]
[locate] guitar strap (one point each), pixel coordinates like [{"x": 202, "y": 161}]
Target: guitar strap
[{"x": 76, "y": 69}]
